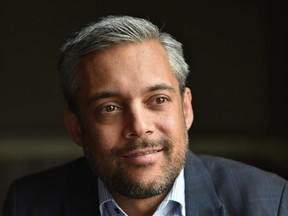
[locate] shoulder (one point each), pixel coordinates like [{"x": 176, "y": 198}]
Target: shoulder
[
  {"x": 239, "y": 185},
  {"x": 238, "y": 172},
  {"x": 53, "y": 177},
  {"x": 46, "y": 189}
]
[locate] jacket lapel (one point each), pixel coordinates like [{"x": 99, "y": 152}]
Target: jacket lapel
[
  {"x": 83, "y": 197},
  {"x": 80, "y": 209},
  {"x": 200, "y": 195}
]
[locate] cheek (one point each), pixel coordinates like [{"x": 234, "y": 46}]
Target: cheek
[
  {"x": 172, "y": 125},
  {"x": 101, "y": 139}
]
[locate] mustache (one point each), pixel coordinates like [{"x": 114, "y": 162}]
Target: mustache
[{"x": 163, "y": 143}]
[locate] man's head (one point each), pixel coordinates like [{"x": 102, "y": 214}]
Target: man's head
[
  {"x": 109, "y": 31},
  {"x": 129, "y": 108}
]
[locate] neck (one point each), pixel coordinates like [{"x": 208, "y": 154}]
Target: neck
[{"x": 139, "y": 207}]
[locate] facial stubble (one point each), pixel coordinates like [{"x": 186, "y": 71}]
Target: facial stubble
[{"x": 128, "y": 184}]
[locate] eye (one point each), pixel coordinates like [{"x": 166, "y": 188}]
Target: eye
[
  {"x": 160, "y": 100},
  {"x": 108, "y": 109}
]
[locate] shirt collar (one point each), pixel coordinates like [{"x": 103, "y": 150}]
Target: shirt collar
[{"x": 176, "y": 194}]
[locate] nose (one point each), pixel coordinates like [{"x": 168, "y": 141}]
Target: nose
[{"x": 138, "y": 123}]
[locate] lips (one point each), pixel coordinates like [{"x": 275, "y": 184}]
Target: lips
[
  {"x": 142, "y": 152},
  {"x": 142, "y": 158}
]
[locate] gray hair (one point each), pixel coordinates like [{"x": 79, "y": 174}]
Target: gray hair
[{"x": 108, "y": 31}]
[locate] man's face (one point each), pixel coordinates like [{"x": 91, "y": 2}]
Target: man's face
[{"x": 132, "y": 121}]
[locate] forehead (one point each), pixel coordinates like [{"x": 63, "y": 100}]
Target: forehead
[{"x": 128, "y": 65}]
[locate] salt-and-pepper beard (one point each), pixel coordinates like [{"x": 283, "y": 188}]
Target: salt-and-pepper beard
[{"x": 125, "y": 184}]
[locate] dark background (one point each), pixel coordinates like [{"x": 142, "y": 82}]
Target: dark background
[{"x": 237, "y": 52}]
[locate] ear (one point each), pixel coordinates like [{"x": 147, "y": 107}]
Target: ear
[
  {"x": 187, "y": 107},
  {"x": 73, "y": 126}
]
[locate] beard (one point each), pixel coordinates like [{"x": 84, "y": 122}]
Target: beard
[{"x": 130, "y": 185}]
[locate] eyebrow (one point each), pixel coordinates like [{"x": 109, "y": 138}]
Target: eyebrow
[
  {"x": 160, "y": 87},
  {"x": 110, "y": 94},
  {"x": 102, "y": 95}
]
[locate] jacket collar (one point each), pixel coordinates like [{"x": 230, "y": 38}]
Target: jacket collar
[{"x": 200, "y": 194}]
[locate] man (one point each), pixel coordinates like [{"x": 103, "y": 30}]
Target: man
[{"x": 129, "y": 109}]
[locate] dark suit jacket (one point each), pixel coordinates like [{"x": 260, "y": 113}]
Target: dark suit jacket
[{"x": 213, "y": 187}]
